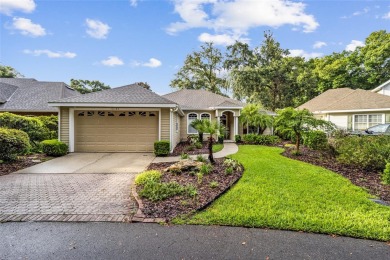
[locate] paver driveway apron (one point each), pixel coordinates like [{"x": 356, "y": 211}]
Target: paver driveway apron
[{"x": 76, "y": 187}]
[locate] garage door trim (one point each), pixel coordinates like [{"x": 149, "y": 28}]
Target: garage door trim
[{"x": 72, "y": 120}]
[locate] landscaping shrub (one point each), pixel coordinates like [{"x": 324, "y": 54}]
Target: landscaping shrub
[
  {"x": 198, "y": 145},
  {"x": 192, "y": 139},
  {"x": 161, "y": 148},
  {"x": 261, "y": 139},
  {"x": 370, "y": 152},
  {"x": 54, "y": 147},
  {"x": 33, "y": 126},
  {"x": 220, "y": 139},
  {"x": 148, "y": 176},
  {"x": 13, "y": 143},
  {"x": 184, "y": 156},
  {"x": 205, "y": 169},
  {"x": 237, "y": 138},
  {"x": 51, "y": 123},
  {"x": 156, "y": 191},
  {"x": 386, "y": 174},
  {"x": 315, "y": 140},
  {"x": 200, "y": 158}
]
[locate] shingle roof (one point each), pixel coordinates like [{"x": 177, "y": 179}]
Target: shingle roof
[
  {"x": 201, "y": 99},
  {"x": 129, "y": 94},
  {"x": 347, "y": 99},
  {"x": 30, "y": 95},
  {"x": 380, "y": 87}
]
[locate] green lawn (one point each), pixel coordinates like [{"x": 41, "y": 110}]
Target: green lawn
[
  {"x": 277, "y": 192},
  {"x": 217, "y": 147}
]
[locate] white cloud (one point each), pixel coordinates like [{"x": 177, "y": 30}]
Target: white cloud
[
  {"x": 364, "y": 11},
  {"x": 221, "y": 39},
  {"x": 152, "y": 63},
  {"x": 304, "y": 54},
  {"x": 97, "y": 29},
  {"x": 112, "y": 61},
  {"x": 133, "y": 3},
  {"x": 7, "y": 7},
  {"x": 319, "y": 45},
  {"x": 353, "y": 45},
  {"x": 237, "y": 17},
  {"x": 27, "y": 27},
  {"x": 386, "y": 16},
  {"x": 51, "y": 54}
]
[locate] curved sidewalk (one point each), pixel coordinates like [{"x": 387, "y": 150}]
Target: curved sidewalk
[{"x": 228, "y": 149}]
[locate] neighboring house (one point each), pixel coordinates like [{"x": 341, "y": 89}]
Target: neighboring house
[
  {"x": 131, "y": 118},
  {"x": 352, "y": 109},
  {"x": 30, "y": 97},
  {"x": 383, "y": 89}
]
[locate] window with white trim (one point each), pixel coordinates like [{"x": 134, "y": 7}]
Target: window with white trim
[
  {"x": 362, "y": 122},
  {"x": 191, "y": 117},
  {"x": 205, "y": 116}
]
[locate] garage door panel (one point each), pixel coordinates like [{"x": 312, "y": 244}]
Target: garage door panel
[{"x": 122, "y": 131}]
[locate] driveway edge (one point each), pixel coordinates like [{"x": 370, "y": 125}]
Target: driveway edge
[{"x": 140, "y": 216}]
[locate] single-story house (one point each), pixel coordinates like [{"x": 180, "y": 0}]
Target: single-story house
[
  {"x": 131, "y": 118},
  {"x": 26, "y": 96},
  {"x": 352, "y": 109}
]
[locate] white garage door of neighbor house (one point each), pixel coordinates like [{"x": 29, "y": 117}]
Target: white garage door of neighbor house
[{"x": 115, "y": 131}]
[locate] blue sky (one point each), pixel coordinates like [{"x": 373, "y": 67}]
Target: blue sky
[{"x": 124, "y": 41}]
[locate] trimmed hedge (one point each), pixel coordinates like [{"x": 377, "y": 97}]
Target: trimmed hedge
[
  {"x": 315, "y": 140},
  {"x": 260, "y": 139},
  {"x": 13, "y": 143},
  {"x": 161, "y": 148},
  {"x": 370, "y": 152},
  {"x": 54, "y": 147},
  {"x": 33, "y": 126},
  {"x": 51, "y": 123}
]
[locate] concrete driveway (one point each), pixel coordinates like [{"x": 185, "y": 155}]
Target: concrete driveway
[
  {"x": 94, "y": 163},
  {"x": 75, "y": 187}
]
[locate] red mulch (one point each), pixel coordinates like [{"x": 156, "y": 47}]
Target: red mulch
[
  {"x": 182, "y": 147},
  {"x": 368, "y": 179},
  {"x": 22, "y": 162},
  {"x": 178, "y": 205}
]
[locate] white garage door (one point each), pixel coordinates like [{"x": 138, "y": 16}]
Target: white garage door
[{"x": 115, "y": 131}]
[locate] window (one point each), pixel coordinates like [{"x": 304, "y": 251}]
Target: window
[
  {"x": 90, "y": 113},
  {"x": 191, "y": 117},
  {"x": 101, "y": 113},
  {"x": 142, "y": 113},
  {"x": 362, "y": 122},
  {"x": 110, "y": 114},
  {"x": 122, "y": 114},
  {"x": 131, "y": 113},
  {"x": 205, "y": 116},
  {"x": 152, "y": 114},
  {"x": 81, "y": 114}
]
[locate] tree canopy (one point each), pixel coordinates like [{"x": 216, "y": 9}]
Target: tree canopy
[
  {"x": 202, "y": 70},
  {"x": 9, "y": 72},
  {"x": 87, "y": 86},
  {"x": 267, "y": 74}
]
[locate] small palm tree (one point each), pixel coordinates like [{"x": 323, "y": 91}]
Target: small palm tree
[
  {"x": 252, "y": 115},
  {"x": 199, "y": 125},
  {"x": 213, "y": 128}
]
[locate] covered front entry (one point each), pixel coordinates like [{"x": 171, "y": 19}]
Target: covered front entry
[{"x": 115, "y": 131}]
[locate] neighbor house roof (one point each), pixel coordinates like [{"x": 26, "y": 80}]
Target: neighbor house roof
[
  {"x": 346, "y": 99},
  {"x": 380, "y": 87},
  {"x": 202, "y": 99},
  {"x": 30, "y": 95},
  {"x": 126, "y": 96}
]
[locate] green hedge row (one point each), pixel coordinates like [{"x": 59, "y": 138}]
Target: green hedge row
[
  {"x": 13, "y": 143},
  {"x": 38, "y": 128},
  {"x": 260, "y": 139}
]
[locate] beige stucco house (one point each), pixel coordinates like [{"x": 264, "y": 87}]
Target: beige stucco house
[
  {"x": 352, "y": 109},
  {"x": 131, "y": 118}
]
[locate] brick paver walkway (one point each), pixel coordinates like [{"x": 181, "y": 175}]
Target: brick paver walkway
[{"x": 66, "y": 197}]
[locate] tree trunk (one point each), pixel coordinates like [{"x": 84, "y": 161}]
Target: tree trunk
[
  {"x": 211, "y": 157},
  {"x": 297, "y": 142},
  {"x": 201, "y": 137}
]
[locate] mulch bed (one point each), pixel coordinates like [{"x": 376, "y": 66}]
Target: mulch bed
[
  {"x": 368, "y": 179},
  {"x": 182, "y": 147},
  {"x": 22, "y": 162},
  {"x": 178, "y": 205}
]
